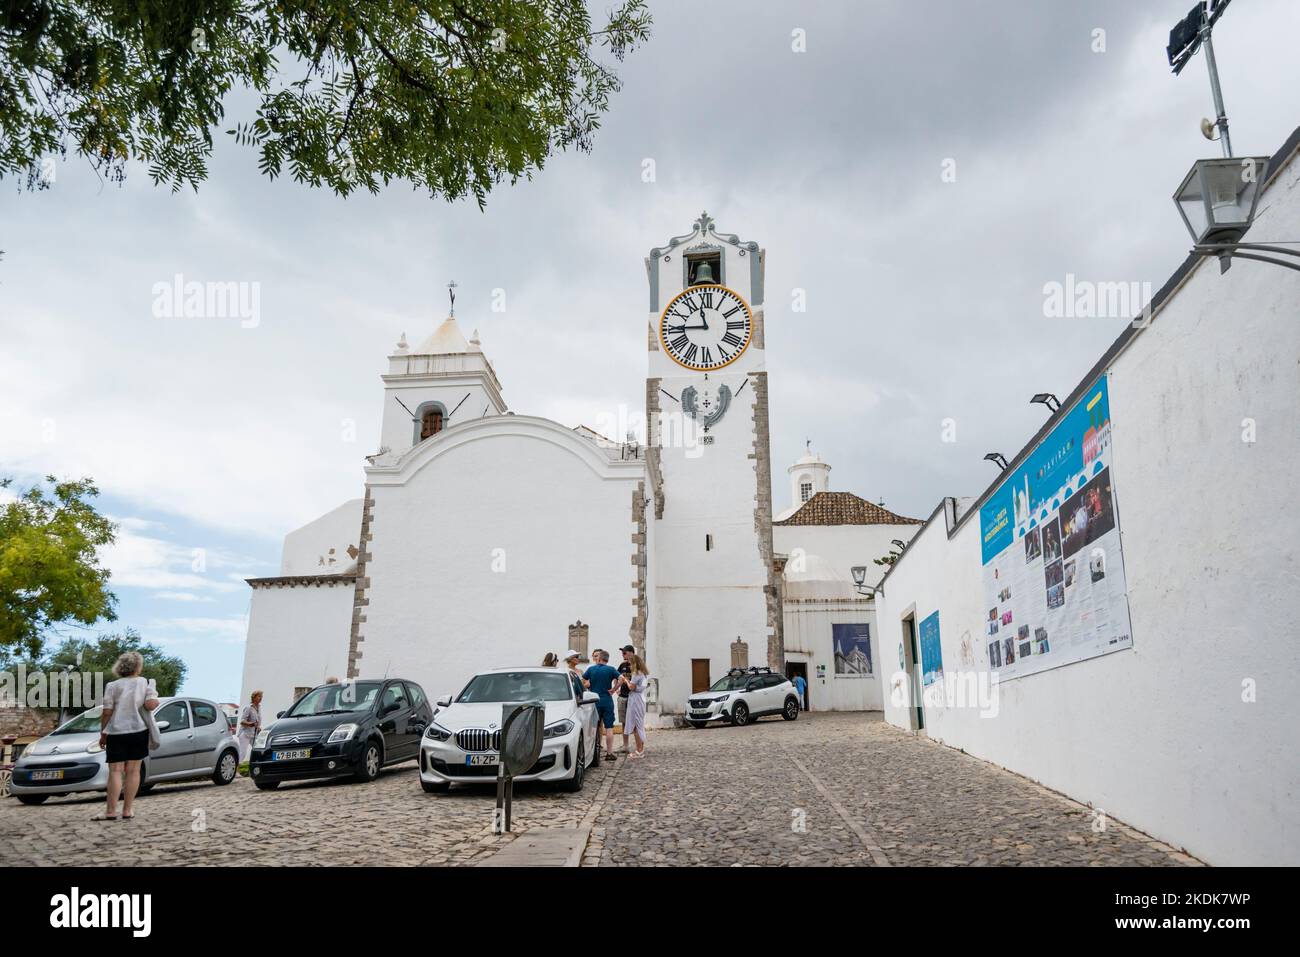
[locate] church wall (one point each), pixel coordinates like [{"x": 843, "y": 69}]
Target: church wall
[
  {"x": 488, "y": 551},
  {"x": 307, "y": 550},
  {"x": 297, "y": 637},
  {"x": 1188, "y": 735}
]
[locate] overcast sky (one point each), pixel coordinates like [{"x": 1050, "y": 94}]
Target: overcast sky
[{"x": 924, "y": 297}]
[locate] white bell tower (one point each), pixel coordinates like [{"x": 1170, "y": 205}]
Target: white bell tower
[{"x": 710, "y": 463}]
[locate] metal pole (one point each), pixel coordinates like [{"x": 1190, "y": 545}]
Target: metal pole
[{"x": 1222, "y": 120}]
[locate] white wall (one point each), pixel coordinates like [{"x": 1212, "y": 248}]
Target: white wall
[
  {"x": 307, "y": 550},
  {"x": 808, "y": 639},
  {"x": 490, "y": 539},
  {"x": 1159, "y": 736},
  {"x": 842, "y": 545},
  {"x": 297, "y": 636}
]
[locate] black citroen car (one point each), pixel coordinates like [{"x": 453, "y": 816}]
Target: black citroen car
[{"x": 352, "y": 728}]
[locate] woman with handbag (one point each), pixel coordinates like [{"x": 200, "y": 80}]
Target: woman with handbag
[{"x": 124, "y": 732}]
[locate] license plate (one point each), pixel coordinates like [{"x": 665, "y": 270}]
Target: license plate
[
  {"x": 479, "y": 760},
  {"x": 701, "y": 714},
  {"x": 47, "y": 775},
  {"x": 297, "y": 755}
]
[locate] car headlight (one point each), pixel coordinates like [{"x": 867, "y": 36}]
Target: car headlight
[
  {"x": 343, "y": 732},
  {"x": 259, "y": 742},
  {"x": 437, "y": 733},
  {"x": 557, "y": 730},
  {"x": 722, "y": 697}
]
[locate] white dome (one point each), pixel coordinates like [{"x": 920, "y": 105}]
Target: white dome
[{"x": 812, "y": 576}]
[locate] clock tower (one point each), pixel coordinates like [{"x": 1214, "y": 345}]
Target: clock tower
[{"x": 714, "y": 583}]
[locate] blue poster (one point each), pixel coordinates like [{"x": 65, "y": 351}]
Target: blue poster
[
  {"x": 852, "y": 649},
  {"x": 931, "y": 651},
  {"x": 1070, "y": 455}
]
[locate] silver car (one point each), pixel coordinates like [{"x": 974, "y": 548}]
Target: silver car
[{"x": 196, "y": 743}]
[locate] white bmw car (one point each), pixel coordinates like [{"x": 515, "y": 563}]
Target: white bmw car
[{"x": 462, "y": 744}]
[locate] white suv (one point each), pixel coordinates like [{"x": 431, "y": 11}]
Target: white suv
[{"x": 742, "y": 696}]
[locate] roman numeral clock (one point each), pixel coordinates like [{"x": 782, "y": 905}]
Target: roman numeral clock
[{"x": 709, "y": 460}]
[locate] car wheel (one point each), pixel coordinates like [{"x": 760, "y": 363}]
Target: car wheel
[
  {"x": 574, "y": 784},
  {"x": 436, "y": 787},
  {"x": 266, "y": 785},
  {"x": 595, "y": 752},
  {"x": 698, "y": 724},
  {"x": 791, "y": 710},
  {"x": 227, "y": 768},
  {"x": 740, "y": 714},
  {"x": 372, "y": 760},
  {"x": 32, "y": 798}
]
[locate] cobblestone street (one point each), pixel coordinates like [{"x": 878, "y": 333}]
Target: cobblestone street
[{"x": 829, "y": 789}]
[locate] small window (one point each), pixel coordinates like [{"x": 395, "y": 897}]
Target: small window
[
  {"x": 175, "y": 714},
  {"x": 430, "y": 423},
  {"x": 708, "y": 543},
  {"x": 805, "y": 491},
  {"x": 204, "y": 714}
]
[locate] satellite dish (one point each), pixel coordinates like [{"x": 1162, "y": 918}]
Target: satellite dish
[{"x": 1209, "y": 130}]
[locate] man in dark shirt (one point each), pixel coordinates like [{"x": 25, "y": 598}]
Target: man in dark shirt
[{"x": 624, "y": 670}]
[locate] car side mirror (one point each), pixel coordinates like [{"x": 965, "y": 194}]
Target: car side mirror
[
  {"x": 279, "y": 714},
  {"x": 590, "y": 697},
  {"x": 164, "y": 725},
  {"x": 444, "y": 701},
  {"x": 389, "y": 708}
]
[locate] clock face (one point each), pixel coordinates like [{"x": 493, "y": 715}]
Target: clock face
[{"x": 706, "y": 327}]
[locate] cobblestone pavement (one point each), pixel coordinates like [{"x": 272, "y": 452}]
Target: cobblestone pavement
[
  {"x": 863, "y": 793},
  {"x": 830, "y": 789}
]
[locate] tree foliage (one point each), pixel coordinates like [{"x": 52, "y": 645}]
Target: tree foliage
[
  {"x": 454, "y": 96},
  {"x": 100, "y": 655},
  {"x": 49, "y": 562}
]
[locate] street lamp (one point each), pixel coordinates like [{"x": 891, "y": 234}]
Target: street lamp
[
  {"x": 860, "y": 581},
  {"x": 1217, "y": 201},
  {"x": 1046, "y": 398},
  {"x": 998, "y": 459}
]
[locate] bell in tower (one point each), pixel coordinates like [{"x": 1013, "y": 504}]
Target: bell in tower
[{"x": 703, "y": 274}]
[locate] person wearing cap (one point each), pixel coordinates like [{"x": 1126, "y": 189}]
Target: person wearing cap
[
  {"x": 624, "y": 669},
  {"x": 571, "y": 662}
]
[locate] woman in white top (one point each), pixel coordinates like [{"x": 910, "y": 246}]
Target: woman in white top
[
  {"x": 123, "y": 734},
  {"x": 250, "y": 722}
]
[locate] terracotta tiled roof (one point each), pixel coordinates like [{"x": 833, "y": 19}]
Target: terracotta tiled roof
[{"x": 844, "y": 508}]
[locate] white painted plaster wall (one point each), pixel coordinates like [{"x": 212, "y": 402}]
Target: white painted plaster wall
[
  {"x": 1159, "y": 736},
  {"x": 307, "y": 550},
  {"x": 297, "y": 636},
  {"x": 517, "y": 490}
]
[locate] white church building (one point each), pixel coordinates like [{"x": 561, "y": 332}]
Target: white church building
[{"x": 485, "y": 538}]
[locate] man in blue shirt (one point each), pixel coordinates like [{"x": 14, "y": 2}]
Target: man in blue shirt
[
  {"x": 801, "y": 687},
  {"x": 601, "y": 679}
]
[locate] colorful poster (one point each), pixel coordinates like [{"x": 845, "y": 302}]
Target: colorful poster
[
  {"x": 931, "y": 651},
  {"x": 852, "y": 649},
  {"x": 1053, "y": 573}
]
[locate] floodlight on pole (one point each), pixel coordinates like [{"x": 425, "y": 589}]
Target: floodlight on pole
[
  {"x": 998, "y": 459},
  {"x": 1046, "y": 398}
]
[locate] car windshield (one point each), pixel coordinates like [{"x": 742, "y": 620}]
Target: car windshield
[
  {"x": 86, "y": 721},
  {"x": 731, "y": 683},
  {"x": 509, "y": 686},
  {"x": 350, "y": 696}
]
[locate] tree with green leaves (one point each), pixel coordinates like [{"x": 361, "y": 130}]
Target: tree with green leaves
[
  {"x": 454, "y": 96},
  {"x": 99, "y": 656},
  {"x": 50, "y": 571}
]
